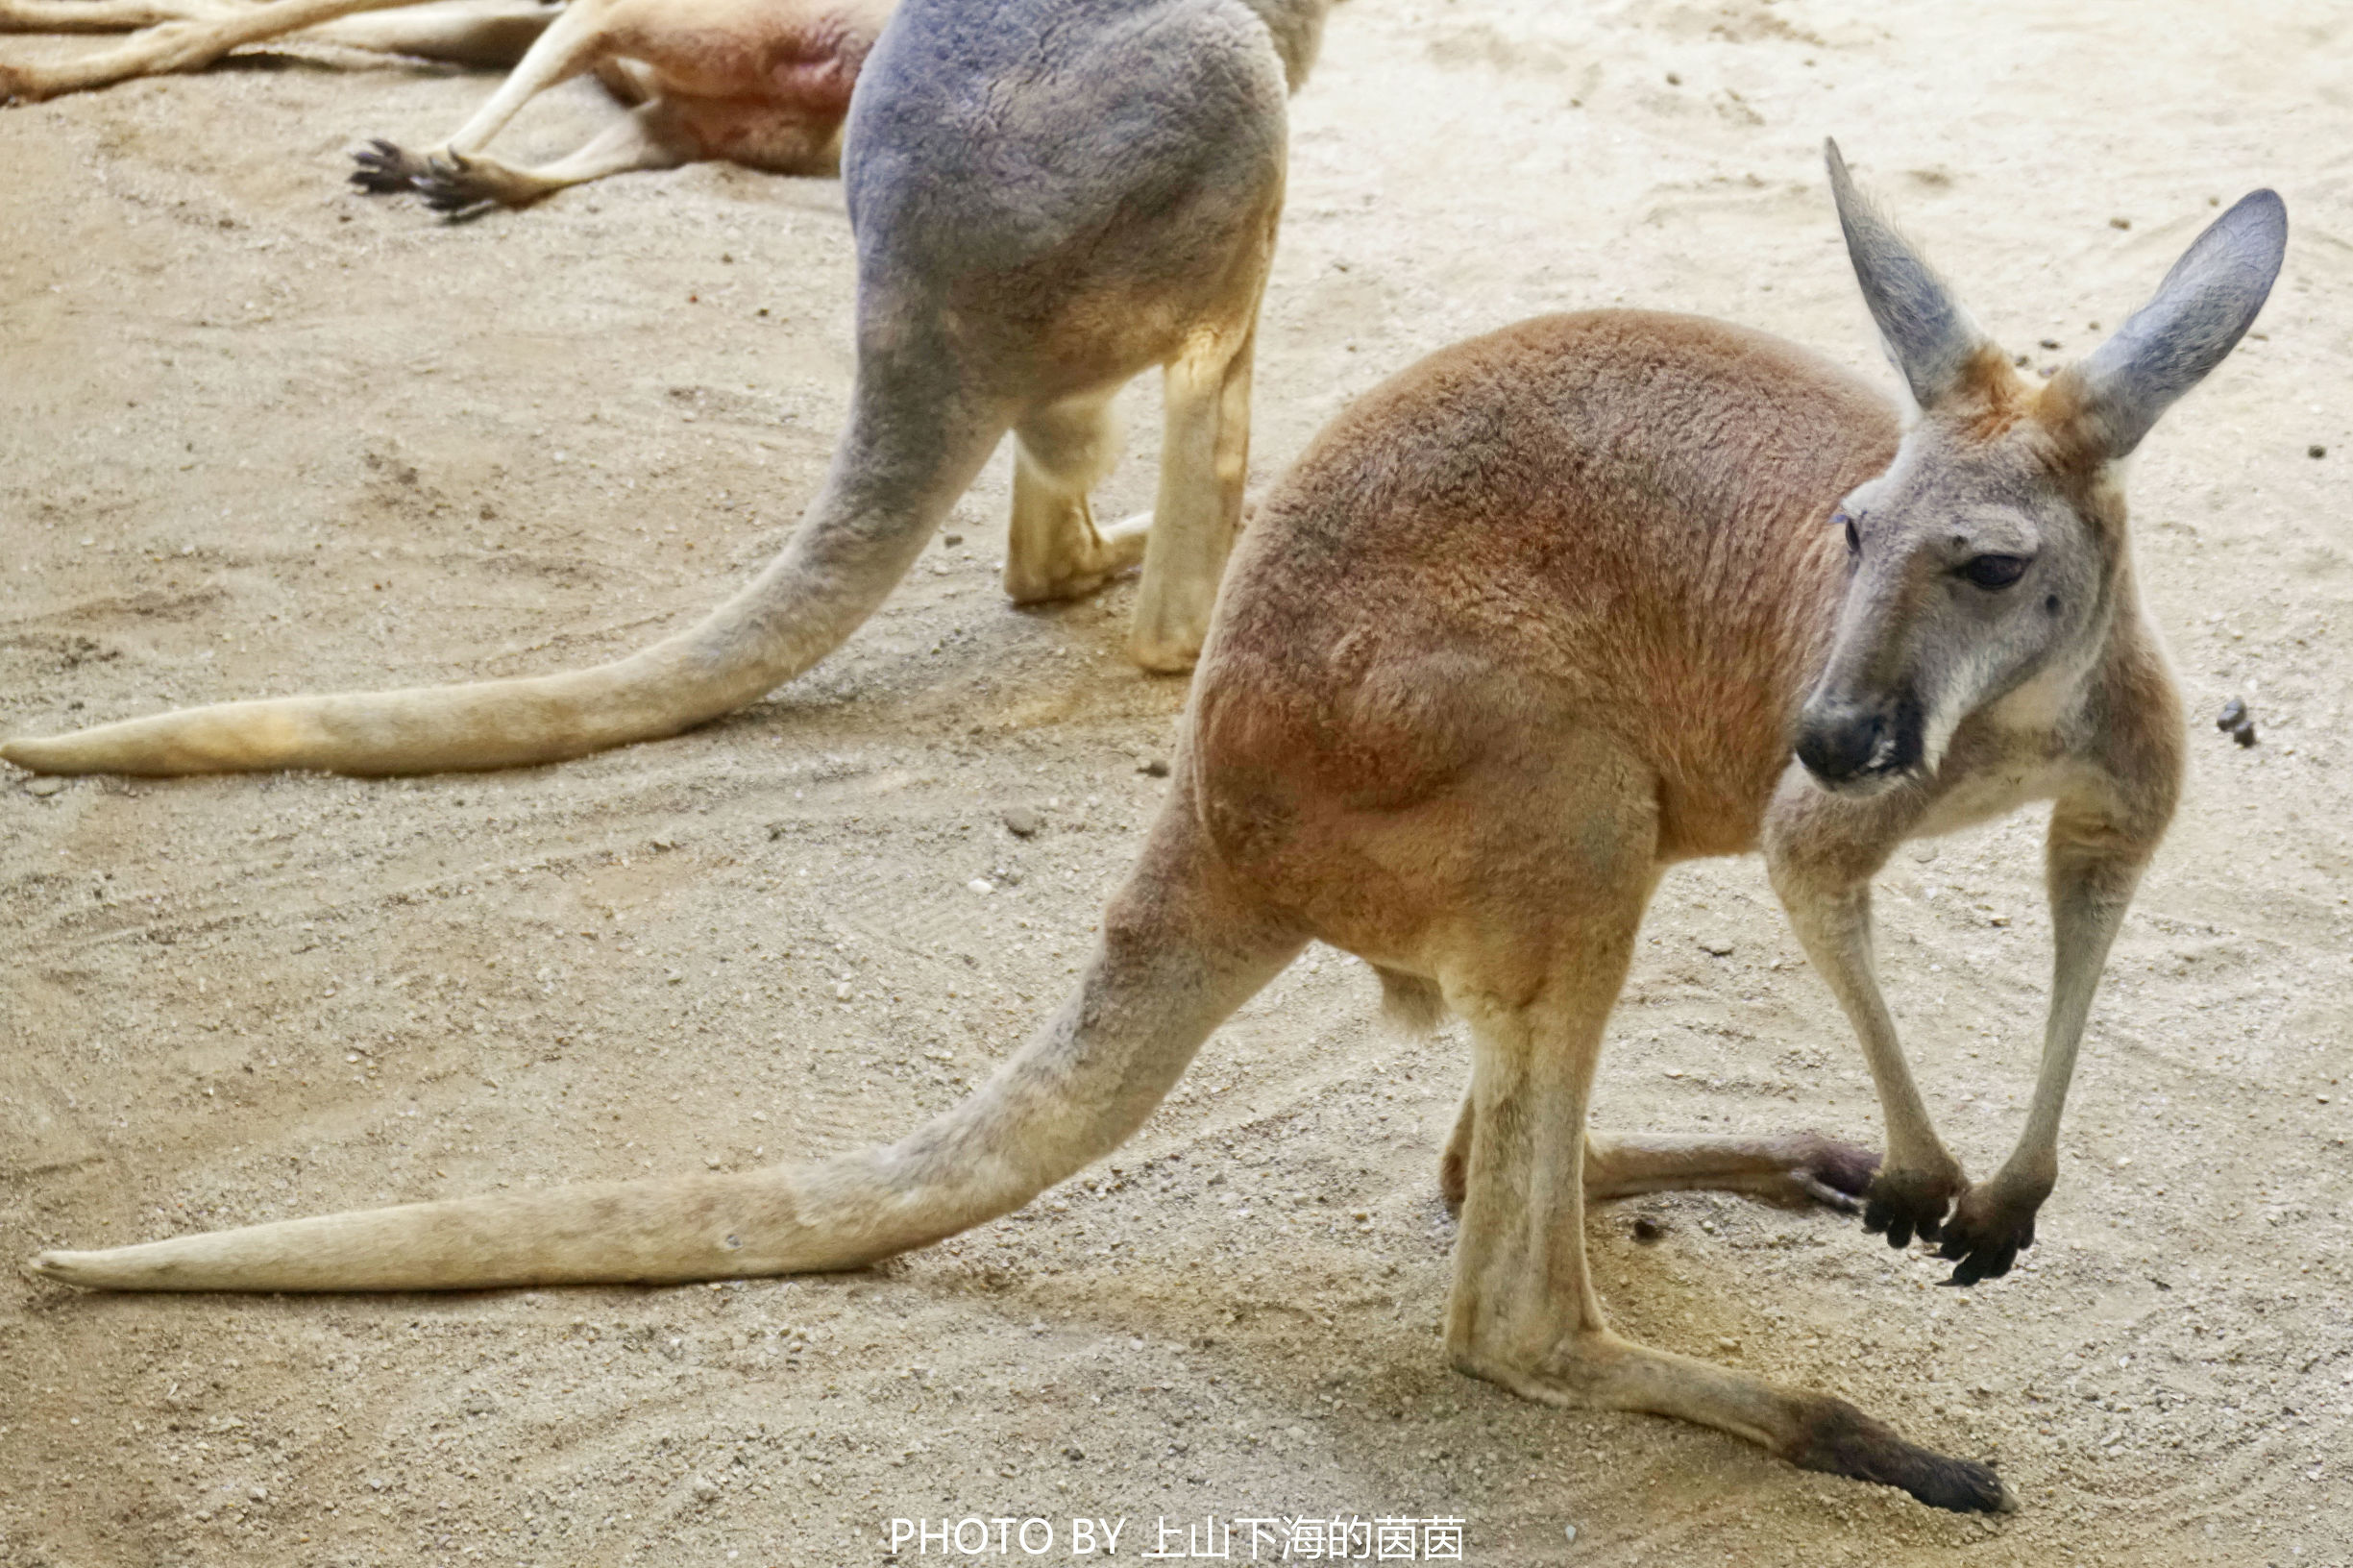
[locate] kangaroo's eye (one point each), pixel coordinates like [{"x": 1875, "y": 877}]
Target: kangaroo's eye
[
  {"x": 1854, "y": 540},
  {"x": 1995, "y": 570}
]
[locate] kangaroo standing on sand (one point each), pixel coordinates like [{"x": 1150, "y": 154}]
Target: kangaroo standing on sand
[
  {"x": 1532, "y": 622},
  {"x": 1049, "y": 197}
]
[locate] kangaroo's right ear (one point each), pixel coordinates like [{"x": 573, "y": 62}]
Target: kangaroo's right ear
[
  {"x": 1928, "y": 335},
  {"x": 2203, "y": 308}
]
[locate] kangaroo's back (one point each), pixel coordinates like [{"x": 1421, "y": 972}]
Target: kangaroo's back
[{"x": 1619, "y": 519}]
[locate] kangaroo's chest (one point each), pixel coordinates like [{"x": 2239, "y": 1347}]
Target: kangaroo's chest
[{"x": 1991, "y": 777}]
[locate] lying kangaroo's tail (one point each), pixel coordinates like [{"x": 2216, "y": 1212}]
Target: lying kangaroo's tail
[
  {"x": 1178, "y": 954},
  {"x": 894, "y": 475}
]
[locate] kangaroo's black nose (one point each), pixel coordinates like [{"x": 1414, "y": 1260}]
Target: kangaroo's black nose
[{"x": 1838, "y": 740}]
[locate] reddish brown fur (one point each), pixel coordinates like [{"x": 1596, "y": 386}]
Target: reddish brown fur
[{"x": 1525, "y": 555}]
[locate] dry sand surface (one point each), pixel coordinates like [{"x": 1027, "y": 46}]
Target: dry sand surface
[{"x": 260, "y": 434}]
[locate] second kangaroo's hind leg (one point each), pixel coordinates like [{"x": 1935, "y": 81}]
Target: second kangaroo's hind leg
[
  {"x": 1053, "y": 548},
  {"x": 1205, "y": 460}
]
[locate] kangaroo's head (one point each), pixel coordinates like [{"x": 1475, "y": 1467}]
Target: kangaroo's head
[{"x": 1987, "y": 559}]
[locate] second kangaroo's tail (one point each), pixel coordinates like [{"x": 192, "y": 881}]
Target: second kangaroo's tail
[
  {"x": 1178, "y": 952},
  {"x": 894, "y": 475}
]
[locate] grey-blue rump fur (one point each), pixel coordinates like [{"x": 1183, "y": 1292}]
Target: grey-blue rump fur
[{"x": 1042, "y": 160}]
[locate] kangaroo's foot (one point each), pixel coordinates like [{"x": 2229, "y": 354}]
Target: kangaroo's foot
[
  {"x": 386, "y": 170},
  {"x": 1908, "y": 1200},
  {"x": 453, "y": 182},
  {"x": 1992, "y": 1224},
  {"x": 1080, "y": 569}
]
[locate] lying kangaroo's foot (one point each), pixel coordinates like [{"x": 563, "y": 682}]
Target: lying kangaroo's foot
[
  {"x": 386, "y": 170},
  {"x": 453, "y": 182}
]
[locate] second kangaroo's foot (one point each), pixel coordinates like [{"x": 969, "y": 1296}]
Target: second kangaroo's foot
[
  {"x": 1114, "y": 550},
  {"x": 1992, "y": 1224},
  {"x": 1904, "y": 1201}
]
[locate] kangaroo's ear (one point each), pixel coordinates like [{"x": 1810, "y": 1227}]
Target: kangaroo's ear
[
  {"x": 1929, "y": 336},
  {"x": 2203, "y": 308}
]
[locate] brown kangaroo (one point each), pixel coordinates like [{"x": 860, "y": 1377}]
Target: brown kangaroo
[
  {"x": 1017, "y": 266},
  {"x": 1542, "y": 615}
]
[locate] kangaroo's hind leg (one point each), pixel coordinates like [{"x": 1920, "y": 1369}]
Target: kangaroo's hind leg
[
  {"x": 1053, "y": 548},
  {"x": 189, "y": 45},
  {"x": 103, "y": 15},
  {"x": 483, "y": 35},
  {"x": 1205, "y": 460},
  {"x": 647, "y": 137},
  {"x": 571, "y": 44},
  {"x": 1534, "y": 964}
]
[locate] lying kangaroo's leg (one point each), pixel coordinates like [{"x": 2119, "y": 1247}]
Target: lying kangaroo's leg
[
  {"x": 179, "y": 46},
  {"x": 571, "y": 44},
  {"x": 645, "y": 138},
  {"x": 915, "y": 439},
  {"x": 1524, "y": 1313},
  {"x": 103, "y": 15},
  {"x": 1180, "y": 950},
  {"x": 1204, "y": 460},
  {"x": 485, "y": 35},
  {"x": 1052, "y": 549},
  {"x": 2092, "y": 867}
]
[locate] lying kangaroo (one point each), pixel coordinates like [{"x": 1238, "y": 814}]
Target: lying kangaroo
[
  {"x": 761, "y": 83},
  {"x": 1532, "y": 622},
  {"x": 1049, "y": 197}
]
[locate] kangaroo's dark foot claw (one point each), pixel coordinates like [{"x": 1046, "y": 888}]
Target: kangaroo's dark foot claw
[
  {"x": 1988, "y": 1230},
  {"x": 384, "y": 169},
  {"x": 1902, "y": 1204}
]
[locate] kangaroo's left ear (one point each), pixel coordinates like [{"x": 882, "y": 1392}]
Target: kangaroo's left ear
[{"x": 2203, "y": 308}]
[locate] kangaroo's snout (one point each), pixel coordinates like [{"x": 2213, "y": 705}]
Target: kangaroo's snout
[{"x": 1844, "y": 743}]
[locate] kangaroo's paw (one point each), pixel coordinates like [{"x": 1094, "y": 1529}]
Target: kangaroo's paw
[
  {"x": 1991, "y": 1225},
  {"x": 384, "y": 169},
  {"x": 1900, "y": 1203}
]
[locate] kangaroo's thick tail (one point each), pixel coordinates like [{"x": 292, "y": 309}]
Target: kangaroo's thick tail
[
  {"x": 1180, "y": 952},
  {"x": 894, "y": 475}
]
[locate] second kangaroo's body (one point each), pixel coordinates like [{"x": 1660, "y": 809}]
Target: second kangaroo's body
[
  {"x": 1535, "y": 620},
  {"x": 1049, "y": 198}
]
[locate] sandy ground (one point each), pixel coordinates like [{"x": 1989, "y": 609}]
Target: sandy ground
[{"x": 260, "y": 434}]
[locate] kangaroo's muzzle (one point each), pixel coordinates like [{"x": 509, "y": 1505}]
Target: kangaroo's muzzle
[{"x": 1855, "y": 746}]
